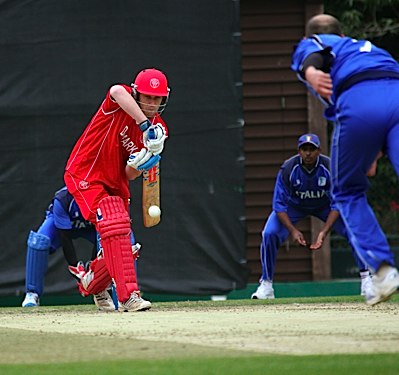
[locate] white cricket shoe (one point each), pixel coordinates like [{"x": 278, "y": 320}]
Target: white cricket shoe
[
  {"x": 366, "y": 284},
  {"x": 265, "y": 291},
  {"x": 134, "y": 303},
  {"x": 385, "y": 282},
  {"x": 104, "y": 301},
  {"x": 31, "y": 300}
]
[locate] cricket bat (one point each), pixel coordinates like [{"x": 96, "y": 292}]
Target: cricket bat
[{"x": 151, "y": 195}]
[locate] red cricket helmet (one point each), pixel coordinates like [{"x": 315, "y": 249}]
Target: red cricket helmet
[{"x": 152, "y": 82}]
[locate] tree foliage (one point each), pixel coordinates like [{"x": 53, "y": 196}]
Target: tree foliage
[{"x": 366, "y": 19}]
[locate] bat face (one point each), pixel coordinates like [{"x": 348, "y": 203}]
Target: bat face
[{"x": 151, "y": 196}]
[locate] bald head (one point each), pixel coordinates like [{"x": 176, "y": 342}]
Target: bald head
[{"x": 323, "y": 24}]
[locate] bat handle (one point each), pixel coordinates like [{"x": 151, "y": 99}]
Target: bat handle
[{"x": 151, "y": 133}]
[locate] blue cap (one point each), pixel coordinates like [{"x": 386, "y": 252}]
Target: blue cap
[{"x": 313, "y": 139}]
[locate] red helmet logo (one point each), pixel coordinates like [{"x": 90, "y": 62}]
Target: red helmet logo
[{"x": 154, "y": 83}]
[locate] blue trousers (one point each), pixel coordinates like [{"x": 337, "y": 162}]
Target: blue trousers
[
  {"x": 275, "y": 233},
  {"x": 367, "y": 122}
]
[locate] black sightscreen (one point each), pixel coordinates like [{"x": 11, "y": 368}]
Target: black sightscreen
[{"x": 58, "y": 59}]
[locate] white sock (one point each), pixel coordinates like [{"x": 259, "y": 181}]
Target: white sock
[
  {"x": 267, "y": 282},
  {"x": 364, "y": 274}
]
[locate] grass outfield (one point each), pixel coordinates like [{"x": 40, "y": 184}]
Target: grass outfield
[
  {"x": 382, "y": 364},
  {"x": 323, "y": 335}
]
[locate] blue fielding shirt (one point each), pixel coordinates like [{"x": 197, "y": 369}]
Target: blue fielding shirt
[
  {"x": 350, "y": 58},
  {"x": 302, "y": 189},
  {"x": 66, "y": 212}
]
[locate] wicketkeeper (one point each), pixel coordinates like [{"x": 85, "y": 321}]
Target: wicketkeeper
[{"x": 62, "y": 225}]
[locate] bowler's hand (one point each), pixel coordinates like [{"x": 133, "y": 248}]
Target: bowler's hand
[{"x": 321, "y": 82}]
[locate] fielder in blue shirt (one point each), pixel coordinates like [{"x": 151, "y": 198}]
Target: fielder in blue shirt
[
  {"x": 302, "y": 189},
  {"x": 359, "y": 85},
  {"x": 63, "y": 224}
]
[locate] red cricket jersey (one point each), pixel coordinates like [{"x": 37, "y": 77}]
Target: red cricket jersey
[{"x": 101, "y": 152}]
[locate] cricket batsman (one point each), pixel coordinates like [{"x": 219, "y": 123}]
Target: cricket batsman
[{"x": 113, "y": 149}]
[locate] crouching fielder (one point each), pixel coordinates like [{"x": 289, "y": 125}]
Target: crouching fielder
[
  {"x": 113, "y": 149},
  {"x": 63, "y": 223}
]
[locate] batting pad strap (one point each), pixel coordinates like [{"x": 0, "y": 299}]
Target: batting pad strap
[
  {"x": 135, "y": 250},
  {"x": 112, "y": 207},
  {"x": 114, "y": 227}
]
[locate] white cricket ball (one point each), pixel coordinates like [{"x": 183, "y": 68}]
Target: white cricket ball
[{"x": 154, "y": 211}]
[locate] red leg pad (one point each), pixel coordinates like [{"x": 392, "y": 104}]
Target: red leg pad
[
  {"x": 114, "y": 229},
  {"x": 96, "y": 279}
]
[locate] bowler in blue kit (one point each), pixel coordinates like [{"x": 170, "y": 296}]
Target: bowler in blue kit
[
  {"x": 359, "y": 85},
  {"x": 302, "y": 189}
]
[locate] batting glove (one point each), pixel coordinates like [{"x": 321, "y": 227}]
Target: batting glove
[
  {"x": 154, "y": 138},
  {"x": 144, "y": 125},
  {"x": 143, "y": 160}
]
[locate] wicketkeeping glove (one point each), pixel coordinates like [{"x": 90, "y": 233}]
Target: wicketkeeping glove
[
  {"x": 154, "y": 138},
  {"x": 143, "y": 160}
]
